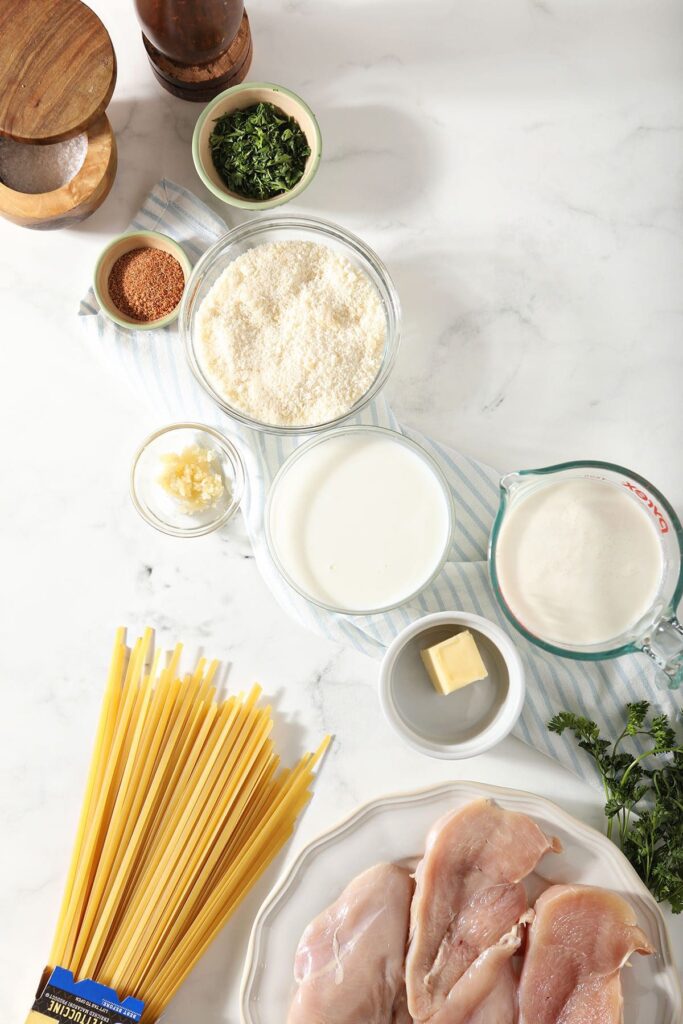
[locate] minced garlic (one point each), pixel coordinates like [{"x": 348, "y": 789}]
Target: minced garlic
[{"x": 192, "y": 477}]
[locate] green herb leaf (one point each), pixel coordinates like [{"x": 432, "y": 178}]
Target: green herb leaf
[
  {"x": 259, "y": 152},
  {"x": 643, "y": 794},
  {"x": 636, "y": 716}
]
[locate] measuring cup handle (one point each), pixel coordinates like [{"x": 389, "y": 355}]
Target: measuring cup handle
[{"x": 665, "y": 647}]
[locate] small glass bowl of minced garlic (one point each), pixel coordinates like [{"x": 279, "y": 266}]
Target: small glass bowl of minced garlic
[{"x": 187, "y": 480}]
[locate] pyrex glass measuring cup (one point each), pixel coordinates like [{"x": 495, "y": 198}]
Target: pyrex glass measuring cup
[{"x": 658, "y": 633}]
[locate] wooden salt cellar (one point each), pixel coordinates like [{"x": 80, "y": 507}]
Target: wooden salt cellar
[{"x": 57, "y": 75}]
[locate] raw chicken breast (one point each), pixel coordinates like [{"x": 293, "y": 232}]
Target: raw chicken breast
[
  {"x": 580, "y": 939},
  {"x": 469, "y": 896},
  {"x": 500, "y": 1006},
  {"x": 349, "y": 964},
  {"x": 401, "y": 1012},
  {"x": 487, "y": 991}
]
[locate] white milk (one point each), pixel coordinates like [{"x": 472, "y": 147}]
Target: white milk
[
  {"x": 360, "y": 521},
  {"x": 578, "y": 561}
]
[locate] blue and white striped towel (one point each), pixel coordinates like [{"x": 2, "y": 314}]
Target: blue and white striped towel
[{"x": 153, "y": 363}]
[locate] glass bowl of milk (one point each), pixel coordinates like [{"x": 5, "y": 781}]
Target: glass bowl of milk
[
  {"x": 359, "y": 520},
  {"x": 586, "y": 562}
]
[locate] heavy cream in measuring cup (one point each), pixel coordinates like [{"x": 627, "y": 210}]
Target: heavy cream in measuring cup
[
  {"x": 360, "y": 521},
  {"x": 578, "y": 562}
]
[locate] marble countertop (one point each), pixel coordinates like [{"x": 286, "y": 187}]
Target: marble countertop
[{"x": 518, "y": 167}]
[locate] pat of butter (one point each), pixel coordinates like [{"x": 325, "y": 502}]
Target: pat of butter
[{"x": 454, "y": 663}]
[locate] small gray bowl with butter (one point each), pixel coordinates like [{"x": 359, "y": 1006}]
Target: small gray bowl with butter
[{"x": 473, "y": 717}]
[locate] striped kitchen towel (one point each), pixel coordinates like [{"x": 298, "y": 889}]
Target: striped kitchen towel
[{"x": 153, "y": 363}]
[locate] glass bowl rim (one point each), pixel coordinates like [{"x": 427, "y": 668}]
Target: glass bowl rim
[
  {"x": 575, "y": 654},
  {"x": 229, "y": 450},
  {"x": 302, "y": 450},
  {"x": 324, "y": 229}
]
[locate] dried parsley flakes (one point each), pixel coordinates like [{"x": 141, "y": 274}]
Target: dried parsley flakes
[{"x": 259, "y": 152}]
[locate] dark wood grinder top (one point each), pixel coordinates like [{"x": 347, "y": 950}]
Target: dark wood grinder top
[{"x": 57, "y": 69}]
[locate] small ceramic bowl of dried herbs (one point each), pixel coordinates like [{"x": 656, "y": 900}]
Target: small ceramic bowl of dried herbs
[{"x": 257, "y": 146}]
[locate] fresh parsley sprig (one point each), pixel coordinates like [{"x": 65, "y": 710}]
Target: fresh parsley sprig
[
  {"x": 259, "y": 151},
  {"x": 643, "y": 794}
]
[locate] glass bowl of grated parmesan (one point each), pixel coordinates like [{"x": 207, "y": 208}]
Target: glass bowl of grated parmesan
[{"x": 290, "y": 324}]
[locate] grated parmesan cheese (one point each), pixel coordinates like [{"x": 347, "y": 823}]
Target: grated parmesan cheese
[{"x": 291, "y": 333}]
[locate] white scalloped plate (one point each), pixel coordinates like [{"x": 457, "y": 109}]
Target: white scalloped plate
[{"x": 394, "y": 829}]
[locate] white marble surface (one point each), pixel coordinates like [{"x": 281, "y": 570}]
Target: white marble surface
[{"x": 518, "y": 166}]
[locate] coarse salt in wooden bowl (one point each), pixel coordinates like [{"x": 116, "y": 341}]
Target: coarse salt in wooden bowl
[
  {"x": 237, "y": 98},
  {"x": 57, "y": 76},
  {"x": 78, "y": 197},
  {"x": 121, "y": 245}
]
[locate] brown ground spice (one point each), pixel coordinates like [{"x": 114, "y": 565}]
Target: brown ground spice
[{"x": 146, "y": 284}]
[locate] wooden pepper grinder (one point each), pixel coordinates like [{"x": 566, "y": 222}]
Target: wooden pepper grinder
[{"x": 197, "y": 48}]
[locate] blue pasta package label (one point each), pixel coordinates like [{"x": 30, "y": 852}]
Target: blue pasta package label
[{"x": 62, "y": 998}]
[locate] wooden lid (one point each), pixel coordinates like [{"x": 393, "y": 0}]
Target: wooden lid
[{"x": 57, "y": 69}]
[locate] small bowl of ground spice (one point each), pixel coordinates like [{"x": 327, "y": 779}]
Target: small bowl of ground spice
[
  {"x": 257, "y": 146},
  {"x": 140, "y": 279}
]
